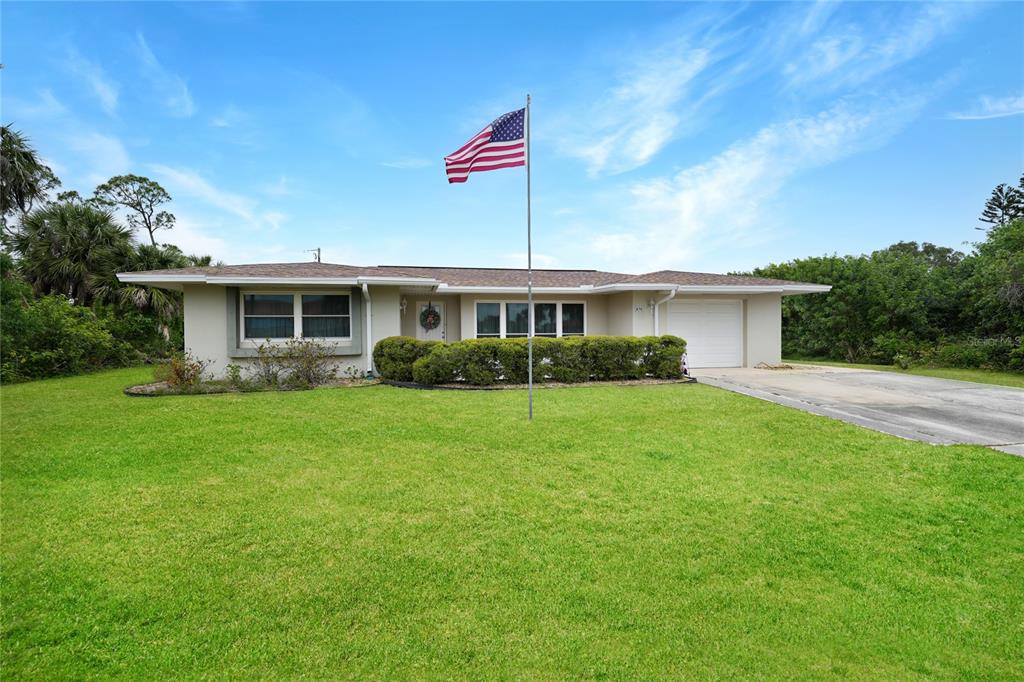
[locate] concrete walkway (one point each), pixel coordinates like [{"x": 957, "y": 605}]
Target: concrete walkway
[{"x": 940, "y": 411}]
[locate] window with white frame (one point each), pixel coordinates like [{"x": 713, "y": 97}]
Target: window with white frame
[
  {"x": 511, "y": 319},
  {"x": 277, "y": 316}
]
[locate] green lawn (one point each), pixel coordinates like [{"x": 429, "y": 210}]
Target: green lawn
[
  {"x": 628, "y": 533},
  {"x": 980, "y": 376}
]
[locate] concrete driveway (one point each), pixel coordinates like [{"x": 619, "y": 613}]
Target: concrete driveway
[{"x": 932, "y": 410}]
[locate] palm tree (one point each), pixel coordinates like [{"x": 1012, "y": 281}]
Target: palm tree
[
  {"x": 24, "y": 179},
  {"x": 166, "y": 305},
  {"x": 62, "y": 248}
]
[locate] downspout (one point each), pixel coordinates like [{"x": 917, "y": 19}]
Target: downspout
[
  {"x": 657, "y": 304},
  {"x": 369, "y": 330}
]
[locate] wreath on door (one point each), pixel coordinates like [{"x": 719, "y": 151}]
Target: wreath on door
[{"x": 430, "y": 318}]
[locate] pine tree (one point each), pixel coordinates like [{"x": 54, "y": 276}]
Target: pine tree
[{"x": 1005, "y": 204}]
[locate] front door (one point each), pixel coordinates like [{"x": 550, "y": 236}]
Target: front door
[{"x": 430, "y": 326}]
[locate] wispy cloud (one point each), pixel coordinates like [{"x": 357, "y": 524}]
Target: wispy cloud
[
  {"x": 633, "y": 120},
  {"x": 722, "y": 201},
  {"x": 853, "y": 53},
  {"x": 171, "y": 87},
  {"x": 408, "y": 163},
  {"x": 282, "y": 187},
  {"x": 189, "y": 183},
  {"x": 46, "y": 105},
  {"x": 229, "y": 117},
  {"x": 992, "y": 107},
  {"x": 103, "y": 88},
  {"x": 105, "y": 155}
]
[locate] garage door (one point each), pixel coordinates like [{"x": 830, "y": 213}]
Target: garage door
[{"x": 713, "y": 331}]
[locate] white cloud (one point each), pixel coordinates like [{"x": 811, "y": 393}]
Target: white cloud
[
  {"x": 45, "y": 106},
  {"x": 853, "y": 54},
  {"x": 632, "y": 121},
  {"x": 104, "y": 155},
  {"x": 282, "y": 187},
  {"x": 992, "y": 107},
  {"x": 408, "y": 163},
  {"x": 171, "y": 87},
  {"x": 189, "y": 183},
  {"x": 103, "y": 88},
  {"x": 230, "y": 117},
  {"x": 722, "y": 202},
  {"x": 191, "y": 237}
]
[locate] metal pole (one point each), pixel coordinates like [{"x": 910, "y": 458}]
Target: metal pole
[{"x": 529, "y": 268}]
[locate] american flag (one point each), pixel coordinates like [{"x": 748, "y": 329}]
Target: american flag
[{"x": 502, "y": 144}]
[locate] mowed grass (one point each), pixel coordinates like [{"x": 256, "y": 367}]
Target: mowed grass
[
  {"x": 978, "y": 376},
  {"x": 629, "y": 533}
]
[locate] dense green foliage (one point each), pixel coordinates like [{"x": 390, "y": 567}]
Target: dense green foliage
[
  {"x": 48, "y": 336},
  {"x": 482, "y": 362},
  {"x": 640, "y": 532},
  {"x": 64, "y": 310},
  {"x": 24, "y": 179},
  {"x": 914, "y": 303},
  {"x": 393, "y": 356}
]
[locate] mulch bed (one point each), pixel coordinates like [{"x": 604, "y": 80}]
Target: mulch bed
[
  {"x": 161, "y": 388},
  {"x": 546, "y": 384}
]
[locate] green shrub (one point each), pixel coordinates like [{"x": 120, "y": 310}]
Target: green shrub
[
  {"x": 436, "y": 367},
  {"x": 49, "y": 336},
  {"x": 1016, "y": 360},
  {"x": 297, "y": 363},
  {"x": 182, "y": 370},
  {"x": 394, "y": 356},
  {"x": 483, "y": 362},
  {"x": 974, "y": 353},
  {"x": 307, "y": 363},
  {"x": 887, "y": 347}
]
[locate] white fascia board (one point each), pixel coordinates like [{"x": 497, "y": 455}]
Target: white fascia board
[
  {"x": 142, "y": 278},
  {"x": 400, "y": 281},
  {"x": 283, "y": 281},
  {"x": 695, "y": 288},
  {"x": 790, "y": 289},
  {"x": 445, "y": 289}
]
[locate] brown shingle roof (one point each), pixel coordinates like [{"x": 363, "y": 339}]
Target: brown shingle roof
[
  {"x": 702, "y": 279},
  {"x": 470, "y": 277}
]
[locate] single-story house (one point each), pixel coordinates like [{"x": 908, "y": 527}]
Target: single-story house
[{"x": 727, "y": 320}]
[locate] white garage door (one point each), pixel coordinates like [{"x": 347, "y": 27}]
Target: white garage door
[{"x": 713, "y": 331}]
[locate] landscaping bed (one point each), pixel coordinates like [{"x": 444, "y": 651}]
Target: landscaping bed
[
  {"x": 213, "y": 387},
  {"x": 546, "y": 384}
]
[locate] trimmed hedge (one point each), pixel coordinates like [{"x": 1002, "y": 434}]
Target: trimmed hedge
[
  {"x": 482, "y": 362},
  {"x": 393, "y": 357}
]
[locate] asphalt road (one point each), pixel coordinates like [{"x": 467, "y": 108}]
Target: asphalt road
[{"x": 939, "y": 411}]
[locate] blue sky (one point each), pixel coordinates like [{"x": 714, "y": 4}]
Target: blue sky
[{"x": 709, "y": 137}]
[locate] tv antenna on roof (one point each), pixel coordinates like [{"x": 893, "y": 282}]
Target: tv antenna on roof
[{"x": 316, "y": 251}]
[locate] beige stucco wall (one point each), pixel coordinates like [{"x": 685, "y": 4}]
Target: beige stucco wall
[
  {"x": 620, "y": 314},
  {"x": 452, "y": 311},
  {"x": 206, "y": 324},
  {"x": 762, "y": 325}
]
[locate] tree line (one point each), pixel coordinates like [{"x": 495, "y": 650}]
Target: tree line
[
  {"x": 916, "y": 303},
  {"x": 63, "y": 308}
]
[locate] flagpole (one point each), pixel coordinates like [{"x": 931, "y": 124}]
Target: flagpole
[{"x": 529, "y": 268}]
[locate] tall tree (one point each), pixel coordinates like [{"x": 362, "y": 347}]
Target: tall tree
[
  {"x": 142, "y": 198},
  {"x": 62, "y": 247},
  {"x": 163, "y": 304},
  {"x": 1005, "y": 204},
  {"x": 24, "y": 179}
]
